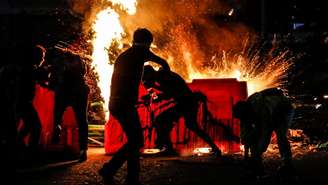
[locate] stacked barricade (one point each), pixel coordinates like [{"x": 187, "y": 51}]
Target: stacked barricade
[
  {"x": 44, "y": 105},
  {"x": 221, "y": 95}
]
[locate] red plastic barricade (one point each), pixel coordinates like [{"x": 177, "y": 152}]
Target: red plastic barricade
[
  {"x": 44, "y": 104},
  {"x": 221, "y": 95}
]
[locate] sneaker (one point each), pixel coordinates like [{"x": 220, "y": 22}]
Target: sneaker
[{"x": 107, "y": 178}]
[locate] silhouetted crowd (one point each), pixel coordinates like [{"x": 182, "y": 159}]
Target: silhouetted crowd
[
  {"x": 20, "y": 123},
  {"x": 260, "y": 115}
]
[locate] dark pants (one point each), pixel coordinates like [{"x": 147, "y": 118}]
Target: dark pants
[
  {"x": 79, "y": 103},
  {"x": 189, "y": 111},
  {"x": 8, "y": 131},
  {"x": 283, "y": 143},
  {"x": 164, "y": 124},
  {"x": 32, "y": 124},
  {"x": 128, "y": 118}
]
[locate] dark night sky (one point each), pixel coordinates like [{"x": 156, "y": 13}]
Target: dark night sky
[{"x": 50, "y": 20}]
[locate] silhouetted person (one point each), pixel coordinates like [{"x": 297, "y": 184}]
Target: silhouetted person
[
  {"x": 128, "y": 69},
  {"x": 262, "y": 114},
  {"x": 9, "y": 83},
  {"x": 71, "y": 90},
  {"x": 173, "y": 86},
  {"x": 26, "y": 111}
]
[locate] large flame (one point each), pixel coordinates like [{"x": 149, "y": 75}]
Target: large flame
[
  {"x": 194, "y": 46},
  {"x": 108, "y": 30},
  {"x": 128, "y": 5}
]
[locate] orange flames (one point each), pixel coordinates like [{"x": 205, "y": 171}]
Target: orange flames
[
  {"x": 108, "y": 31},
  {"x": 253, "y": 70},
  {"x": 194, "y": 45}
]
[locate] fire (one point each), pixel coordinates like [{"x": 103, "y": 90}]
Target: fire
[
  {"x": 194, "y": 52},
  {"x": 242, "y": 148},
  {"x": 108, "y": 30},
  {"x": 254, "y": 71},
  {"x": 128, "y": 5}
]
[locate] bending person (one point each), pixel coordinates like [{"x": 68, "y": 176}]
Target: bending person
[{"x": 173, "y": 86}]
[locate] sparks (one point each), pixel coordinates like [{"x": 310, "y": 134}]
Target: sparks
[
  {"x": 185, "y": 49},
  {"x": 257, "y": 74}
]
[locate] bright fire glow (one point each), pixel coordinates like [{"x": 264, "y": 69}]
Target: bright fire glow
[
  {"x": 128, "y": 5},
  {"x": 201, "y": 151},
  {"x": 242, "y": 148},
  {"x": 257, "y": 74},
  {"x": 151, "y": 151},
  {"x": 107, "y": 30}
]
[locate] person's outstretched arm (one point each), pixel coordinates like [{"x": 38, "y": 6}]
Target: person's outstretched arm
[{"x": 159, "y": 60}]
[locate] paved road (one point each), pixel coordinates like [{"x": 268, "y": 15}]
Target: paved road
[{"x": 311, "y": 169}]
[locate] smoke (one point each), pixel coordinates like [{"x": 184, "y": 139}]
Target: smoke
[
  {"x": 189, "y": 32},
  {"x": 195, "y": 36},
  {"x": 193, "y": 22},
  {"x": 87, "y": 9}
]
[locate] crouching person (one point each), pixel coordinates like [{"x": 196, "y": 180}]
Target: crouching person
[{"x": 260, "y": 115}]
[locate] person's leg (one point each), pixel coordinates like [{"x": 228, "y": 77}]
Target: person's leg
[
  {"x": 35, "y": 129},
  {"x": 59, "y": 109},
  {"x": 283, "y": 144},
  {"x": 79, "y": 105},
  {"x": 286, "y": 170},
  {"x": 261, "y": 141},
  {"x": 203, "y": 135},
  {"x": 135, "y": 142},
  {"x": 32, "y": 125},
  {"x": 190, "y": 117},
  {"x": 8, "y": 143},
  {"x": 160, "y": 135},
  {"x": 164, "y": 124},
  {"x": 129, "y": 120},
  {"x": 167, "y": 137}
]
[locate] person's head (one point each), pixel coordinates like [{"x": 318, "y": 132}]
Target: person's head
[
  {"x": 243, "y": 110},
  {"x": 142, "y": 37},
  {"x": 35, "y": 55},
  {"x": 149, "y": 76},
  {"x": 40, "y": 54}
]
